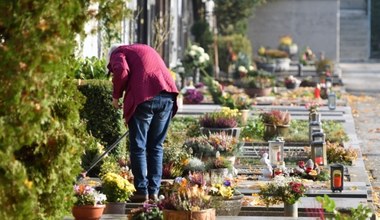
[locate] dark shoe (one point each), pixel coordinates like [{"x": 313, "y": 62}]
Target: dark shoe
[
  {"x": 153, "y": 197},
  {"x": 137, "y": 198}
]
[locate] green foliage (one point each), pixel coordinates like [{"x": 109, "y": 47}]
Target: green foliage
[
  {"x": 202, "y": 34},
  {"x": 111, "y": 13},
  {"x": 233, "y": 15},
  {"x": 41, "y": 135},
  {"x": 298, "y": 131},
  {"x": 235, "y": 42},
  {"x": 149, "y": 211},
  {"x": 359, "y": 213},
  {"x": 254, "y": 130},
  {"x": 89, "y": 68},
  {"x": 103, "y": 121}
]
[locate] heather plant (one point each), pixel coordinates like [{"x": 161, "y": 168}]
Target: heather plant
[
  {"x": 209, "y": 145},
  {"x": 218, "y": 162},
  {"x": 193, "y": 96},
  {"x": 276, "y": 117},
  {"x": 226, "y": 118},
  {"x": 187, "y": 194}
]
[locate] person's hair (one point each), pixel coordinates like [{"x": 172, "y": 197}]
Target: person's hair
[{"x": 112, "y": 49}]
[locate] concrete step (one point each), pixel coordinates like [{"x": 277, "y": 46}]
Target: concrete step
[
  {"x": 353, "y": 4},
  {"x": 352, "y": 13}
]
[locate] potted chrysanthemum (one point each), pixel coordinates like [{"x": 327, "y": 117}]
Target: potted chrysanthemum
[{"x": 118, "y": 191}]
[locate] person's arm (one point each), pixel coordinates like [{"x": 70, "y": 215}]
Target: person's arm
[
  {"x": 120, "y": 70},
  {"x": 115, "y": 103}
]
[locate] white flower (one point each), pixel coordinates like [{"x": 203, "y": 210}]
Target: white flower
[
  {"x": 201, "y": 59},
  {"x": 194, "y": 47},
  {"x": 99, "y": 198},
  {"x": 201, "y": 50},
  {"x": 207, "y": 57},
  {"x": 192, "y": 53},
  {"x": 251, "y": 68},
  {"x": 242, "y": 69}
]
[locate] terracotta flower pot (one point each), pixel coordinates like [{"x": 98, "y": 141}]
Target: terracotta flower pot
[
  {"x": 88, "y": 212},
  {"x": 207, "y": 214}
]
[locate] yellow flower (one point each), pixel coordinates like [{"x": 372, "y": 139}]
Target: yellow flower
[
  {"x": 286, "y": 40},
  {"x": 261, "y": 51},
  {"x": 28, "y": 183}
]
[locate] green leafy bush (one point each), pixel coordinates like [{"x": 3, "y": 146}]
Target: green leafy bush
[
  {"x": 89, "y": 68},
  {"x": 41, "y": 135},
  {"x": 103, "y": 121},
  {"x": 359, "y": 213}
]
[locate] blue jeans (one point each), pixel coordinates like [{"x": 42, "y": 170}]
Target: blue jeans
[{"x": 147, "y": 131}]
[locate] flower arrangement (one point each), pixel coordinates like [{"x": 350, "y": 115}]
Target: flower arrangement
[
  {"x": 195, "y": 57},
  {"x": 276, "y": 118},
  {"x": 193, "y": 96},
  {"x": 224, "y": 187},
  {"x": 283, "y": 189},
  {"x": 226, "y": 118},
  {"x": 307, "y": 56},
  {"x": 199, "y": 146},
  {"x": 242, "y": 101},
  {"x": 226, "y": 144},
  {"x": 87, "y": 195},
  {"x": 218, "y": 162},
  {"x": 291, "y": 81},
  {"x": 208, "y": 145},
  {"x": 187, "y": 194},
  {"x": 324, "y": 66},
  {"x": 116, "y": 187},
  {"x": 259, "y": 79},
  {"x": 149, "y": 211},
  {"x": 338, "y": 154},
  {"x": 194, "y": 165},
  {"x": 312, "y": 106}
]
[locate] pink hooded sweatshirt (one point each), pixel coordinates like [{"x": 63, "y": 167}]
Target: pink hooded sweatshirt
[{"x": 139, "y": 71}]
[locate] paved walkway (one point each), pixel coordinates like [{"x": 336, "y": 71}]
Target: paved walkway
[{"x": 362, "y": 80}]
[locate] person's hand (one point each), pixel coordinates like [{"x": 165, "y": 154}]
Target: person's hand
[{"x": 115, "y": 103}]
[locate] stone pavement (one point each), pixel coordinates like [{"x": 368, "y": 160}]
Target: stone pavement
[{"x": 363, "y": 81}]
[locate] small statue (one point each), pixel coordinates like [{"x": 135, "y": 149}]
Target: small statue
[
  {"x": 265, "y": 159},
  {"x": 268, "y": 171}
]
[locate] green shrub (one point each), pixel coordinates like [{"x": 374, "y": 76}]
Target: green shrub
[
  {"x": 41, "y": 135},
  {"x": 239, "y": 44},
  {"x": 103, "y": 120},
  {"x": 89, "y": 68}
]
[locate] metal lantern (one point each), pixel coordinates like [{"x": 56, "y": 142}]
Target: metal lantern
[
  {"x": 331, "y": 101},
  {"x": 314, "y": 116},
  {"x": 318, "y": 149},
  {"x": 276, "y": 151},
  {"x": 314, "y": 126},
  {"x": 337, "y": 176}
]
